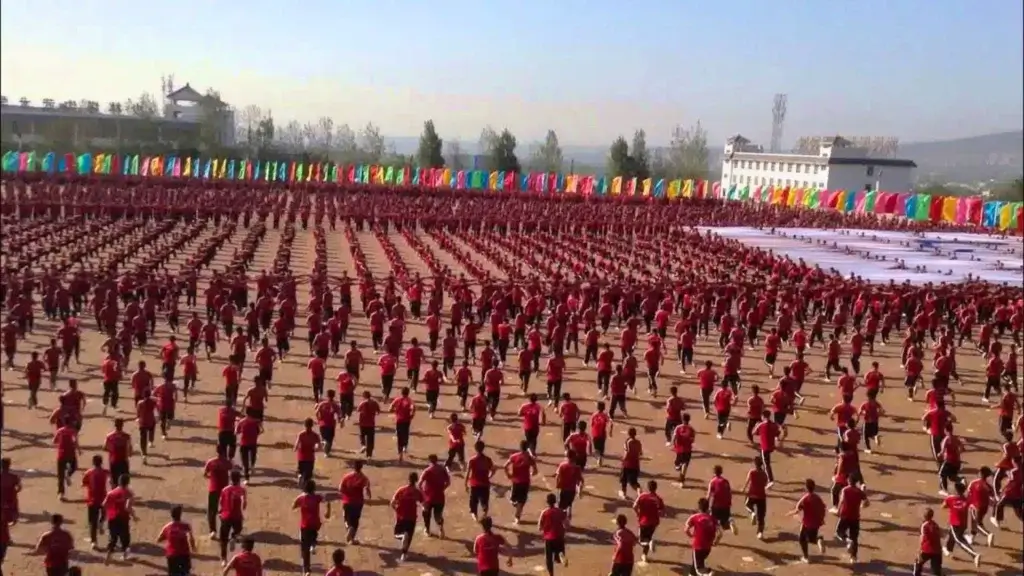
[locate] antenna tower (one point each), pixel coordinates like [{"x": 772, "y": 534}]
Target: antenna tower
[{"x": 778, "y": 121}]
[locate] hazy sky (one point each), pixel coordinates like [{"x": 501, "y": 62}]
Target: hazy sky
[{"x": 590, "y": 69}]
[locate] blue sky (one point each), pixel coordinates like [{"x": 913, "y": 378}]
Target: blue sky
[{"x": 588, "y": 69}]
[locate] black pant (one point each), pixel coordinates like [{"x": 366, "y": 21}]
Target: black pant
[
  {"x": 767, "y": 457},
  {"x": 849, "y": 530},
  {"x": 759, "y": 508},
  {"x": 93, "y": 515},
  {"x": 212, "y": 505},
  {"x": 229, "y": 441},
  {"x": 402, "y": 436},
  {"x": 307, "y": 541},
  {"x": 110, "y": 394},
  {"x": 956, "y": 536},
  {"x": 248, "y": 455},
  {"x": 229, "y": 530},
  {"x": 179, "y": 565},
  {"x": 933, "y": 560},
  {"x": 65, "y": 468},
  {"x": 808, "y": 535},
  {"x": 479, "y": 497},
  {"x": 120, "y": 532},
  {"x": 366, "y": 439},
  {"x": 700, "y": 558}
]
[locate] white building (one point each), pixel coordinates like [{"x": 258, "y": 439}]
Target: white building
[
  {"x": 838, "y": 166},
  {"x": 187, "y": 105}
]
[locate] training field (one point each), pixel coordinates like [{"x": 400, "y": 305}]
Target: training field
[{"x": 900, "y": 476}]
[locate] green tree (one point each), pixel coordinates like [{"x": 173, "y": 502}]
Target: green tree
[
  {"x": 429, "y": 153},
  {"x": 620, "y": 163},
  {"x": 641, "y": 165},
  {"x": 372, "y": 145},
  {"x": 688, "y": 155},
  {"x": 454, "y": 158},
  {"x": 548, "y": 156},
  {"x": 1012, "y": 191},
  {"x": 501, "y": 151}
]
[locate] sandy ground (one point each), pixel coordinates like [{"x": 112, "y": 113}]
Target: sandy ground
[{"x": 901, "y": 478}]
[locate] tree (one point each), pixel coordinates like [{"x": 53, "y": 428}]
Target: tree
[
  {"x": 501, "y": 155},
  {"x": 24, "y": 102},
  {"x": 688, "y": 153},
  {"x": 620, "y": 163},
  {"x": 248, "y": 125},
  {"x": 3, "y": 100},
  {"x": 641, "y": 166},
  {"x": 548, "y": 156},
  {"x": 345, "y": 145},
  {"x": 144, "y": 107},
  {"x": 114, "y": 108},
  {"x": 291, "y": 136},
  {"x": 1012, "y": 191},
  {"x": 429, "y": 155},
  {"x": 453, "y": 156},
  {"x": 265, "y": 132},
  {"x": 214, "y": 119},
  {"x": 371, "y": 143},
  {"x": 325, "y": 134},
  {"x": 48, "y": 103}
]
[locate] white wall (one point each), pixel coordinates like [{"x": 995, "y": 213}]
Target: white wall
[
  {"x": 856, "y": 177},
  {"x": 795, "y": 171}
]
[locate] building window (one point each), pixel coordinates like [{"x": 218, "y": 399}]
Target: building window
[
  {"x": 805, "y": 184},
  {"x": 798, "y": 168},
  {"x": 815, "y": 169},
  {"x": 871, "y": 171},
  {"x": 773, "y": 166},
  {"x": 789, "y": 166},
  {"x": 771, "y": 181}
]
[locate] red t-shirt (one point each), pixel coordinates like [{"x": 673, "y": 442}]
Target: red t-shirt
[
  {"x": 813, "y": 508},
  {"x": 530, "y": 412},
  {"x": 720, "y": 493},
  {"x": 218, "y": 470},
  {"x": 306, "y": 445},
  {"x": 552, "y": 524},
  {"x": 353, "y": 488},
  {"x": 850, "y": 500},
  {"x": 625, "y": 542},
  {"x": 175, "y": 536},
  {"x": 403, "y": 409},
  {"x": 116, "y": 503},
  {"x": 703, "y": 529},
  {"x": 246, "y": 564},
  {"x": 95, "y": 483},
  {"x": 368, "y": 410},
  {"x": 479, "y": 471},
  {"x": 486, "y": 547},
  {"x": 406, "y": 500},
  {"x": 931, "y": 538},
  {"x": 958, "y": 507},
  {"x": 649, "y": 508},
  {"x": 521, "y": 465},
  {"x": 57, "y": 545},
  {"x": 757, "y": 484},
  {"x": 309, "y": 510},
  {"x": 231, "y": 499},
  {"x": 434, "y": 481}
]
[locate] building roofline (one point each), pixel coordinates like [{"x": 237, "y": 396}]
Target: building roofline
[
  {"x": 37, "y": 112},
  {"x": 893, "y": 162},
  {"x": 822, "y": 160}
]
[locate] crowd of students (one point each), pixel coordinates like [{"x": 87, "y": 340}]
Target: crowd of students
[{"x": 545, "y": 279}]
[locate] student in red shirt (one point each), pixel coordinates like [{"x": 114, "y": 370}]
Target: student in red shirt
[
  {"x": 632, "y": 453},
  {"x": 456, "y": 442},
  {"x": 317, "y": 372},
  {"x": 769, "y": 436},
  {"x": 388, "y": 367},
  {"x": 368, "y": 410},
  {"x": 601, "y": 427},
  {"x": 66, "y": 442},
  {"x": 852, "y": 499},
  {"x": 306, "y": 445},
  {"x": 233, "y": 502},
  {"x": 404, "y": 410},
  {"x": 720, "y": 497},
  {"x": 308, "y": 504},
  {"x": 246, "y": 562},
  {"x": 56, "y": 546},
  {"x": 959, "y": 510},
  {"x": 433, "y": 482},
  {"x": 405, "y": 503},
  {"x": 704, "y": 532},
  {"x": 94, "y": 481},
  {"x": 930, "y": 550},
  {"x": 756, "y": 488},
  {"x": 723, "y": 400},
  {"x": 145, "y": 412},
  {"x": 487, "y": 547},
  {"x": 34, "y": 377},
  {"x": 355, "y": 491},
  {"x": 625, "y": 542},
  {"x": 534, "y": 417},
  {"x": 649, "y": 509},
  {"x": 519, "y": 468},
  {"x": 552, "y": 523},
  {"x": 120, "y": 512},
  {"x": 179, "y": 544},
  {"x": 327, "y": 413},
  {"x": 811, "y": 510},
  {"x": 951, "y": 459},
  {"x": 479, "y": 471}
]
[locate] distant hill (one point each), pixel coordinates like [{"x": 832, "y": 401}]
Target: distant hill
[{"x": 978, "y": 158}]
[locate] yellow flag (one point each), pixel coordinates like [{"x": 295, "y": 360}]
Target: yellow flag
[
  {"x": 674, "y": 188},
  {"x": 188, "y": 167},
  {"x": 688, "y": 189},
  {"x": 648, "y": 184},
  {"x": 616, "y": 185},
  {"x": 492, "y": 181}
]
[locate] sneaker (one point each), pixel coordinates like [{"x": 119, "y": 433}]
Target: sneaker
[
  {"x": 943, "y": 493},
  {"x": 969, "y": 538},
  {"x": 733, "y": 528},
  {"x": 990, "y": 539},
  {"x": 821, "y": 545},
  {"x": 977, "y": 560},
  {"x": 993, "y": 521}
]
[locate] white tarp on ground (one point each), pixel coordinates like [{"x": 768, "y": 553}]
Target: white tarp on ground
[{"x": 879, "y": 256}]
